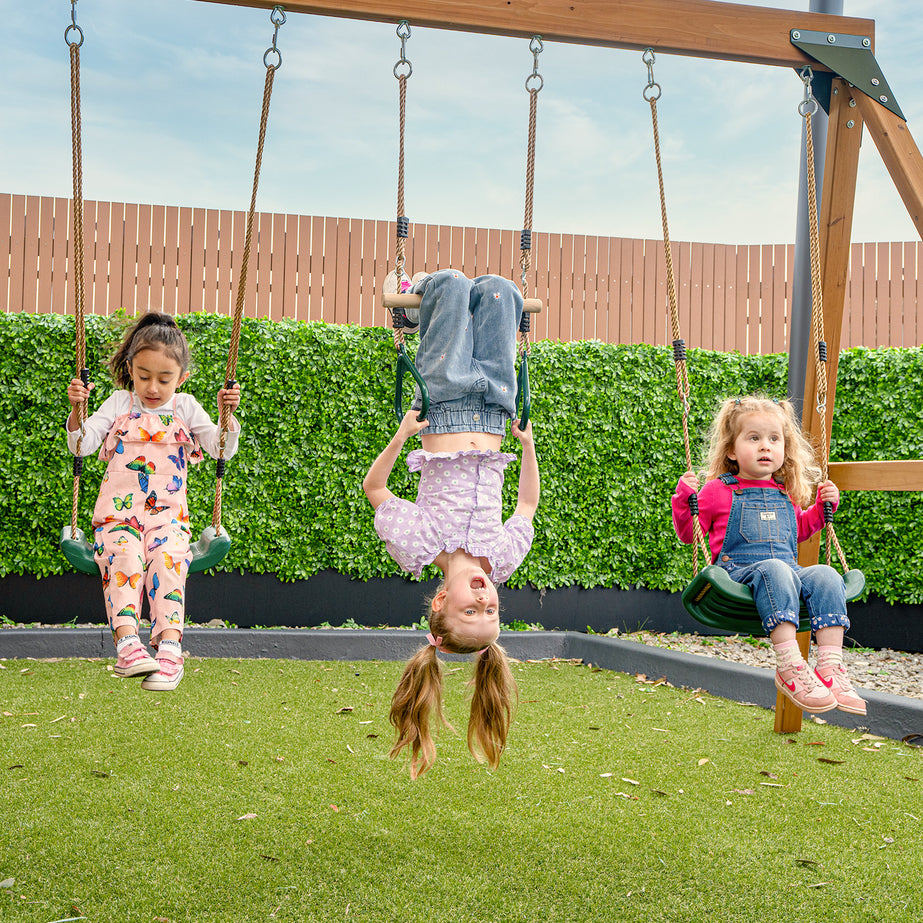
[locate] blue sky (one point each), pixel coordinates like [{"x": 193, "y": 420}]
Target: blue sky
[{"x": 172, "y": 89}]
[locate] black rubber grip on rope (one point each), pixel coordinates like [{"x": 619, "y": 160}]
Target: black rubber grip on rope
[
  {"x": 828, "y": 512},
  {"x": 403, "y": 226},
  {"x": 525, "y": 322},
  {"x": 219, "y": 468},
  {"x": 399, "y": 318},
  {"x": 525, "y": 239},
  {"x": 679, "y": 350},
  {"x": 694, "y": 504},
  {"x": 85, "y": 377},
  {"x": 230, "y": 383},
  {"x": 822, "y": 351},
  {"x": 78, "y": 465}
]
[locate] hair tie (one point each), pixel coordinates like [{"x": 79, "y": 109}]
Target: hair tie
[{"x": 434, "y": 642}]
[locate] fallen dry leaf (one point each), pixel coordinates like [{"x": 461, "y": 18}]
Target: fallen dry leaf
[
  {"x": 743, "y": 791},
  {"x": 824, "y": 759},
  {"x": 335, "y": 809},
  {"x": 246, "y": 817},
  {"x": 630, "y": 781},
  {"x": 704, "y": 760}
]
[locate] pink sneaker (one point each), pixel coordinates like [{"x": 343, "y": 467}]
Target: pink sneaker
[
  {"x": 799, "y": 684},
  {"x": 836, "y": 680},
  {"x": 169, "y": 673},
  {"x": 134, "y": 660}
]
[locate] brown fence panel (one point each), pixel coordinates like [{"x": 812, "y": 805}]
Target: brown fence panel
[{"x": 180, "y": 259}]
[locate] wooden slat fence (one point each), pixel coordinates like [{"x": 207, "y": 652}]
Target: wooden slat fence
[{"x": 181, "y": 259}]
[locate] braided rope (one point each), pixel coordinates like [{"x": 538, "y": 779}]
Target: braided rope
[
  {"x": 682, "y": 370},
  {"x": 230, "y": 372},
  {"x": 817, "y": 329},
  {"x": 399, "y": 241},
  {"x": 78, "y": 267},
  {"x": 525, "y": 254}
]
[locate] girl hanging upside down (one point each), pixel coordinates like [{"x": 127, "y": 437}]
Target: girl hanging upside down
[
  {"x": 149, "y": 435},
  {"x": 467, "y": 359}
]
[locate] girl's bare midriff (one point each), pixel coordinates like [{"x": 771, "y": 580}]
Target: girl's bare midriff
[{"x": 460, "y": 442}]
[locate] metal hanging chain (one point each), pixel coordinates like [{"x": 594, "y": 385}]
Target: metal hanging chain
[
  {"x": 402, "y": 71},
  {"x": 74, "y": 42},
  {"x": 534, "y": 84},
  {"x": 272, "y": 59},
  {"x": 806, "y": 109},
  {"x": 651, "y": 94}
]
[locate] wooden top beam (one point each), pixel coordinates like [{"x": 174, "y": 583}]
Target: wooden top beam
[{"x": 698, "y": 28}]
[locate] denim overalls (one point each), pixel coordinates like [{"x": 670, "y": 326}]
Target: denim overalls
[
  {"x": 760, "y": 550},
  {"x": 467, "y": 351}
]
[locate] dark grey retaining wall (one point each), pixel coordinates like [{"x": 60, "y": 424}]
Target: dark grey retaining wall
[
  {"x": 889, "y": 715},
  {"x": 261, "y": 600}
]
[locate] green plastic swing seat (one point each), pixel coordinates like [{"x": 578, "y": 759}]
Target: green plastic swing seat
[
  {"x": 715, "y": 600},
  {"x": 211, "y": 547}
]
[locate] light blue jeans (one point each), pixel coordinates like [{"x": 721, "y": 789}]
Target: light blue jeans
[{"x": 467, "y": 352}]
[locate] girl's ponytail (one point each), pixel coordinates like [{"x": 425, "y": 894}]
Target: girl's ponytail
[
  {"x": 491, "y": 705},
  {"x": 418, "y": 694}
]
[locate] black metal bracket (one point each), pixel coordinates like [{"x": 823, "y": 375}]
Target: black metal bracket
[{"x": 849, "y": 57}]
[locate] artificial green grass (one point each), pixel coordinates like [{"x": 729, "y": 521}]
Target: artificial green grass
[{"x": 262, "y": 790}]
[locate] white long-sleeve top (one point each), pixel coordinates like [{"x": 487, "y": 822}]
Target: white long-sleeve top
[{"x": 188, "y": 409}]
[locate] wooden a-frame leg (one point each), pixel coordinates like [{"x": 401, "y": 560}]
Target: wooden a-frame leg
[{"x": 788, "y": 714}]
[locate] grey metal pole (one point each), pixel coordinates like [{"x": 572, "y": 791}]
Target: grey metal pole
[{"x": 799, "y": 329}]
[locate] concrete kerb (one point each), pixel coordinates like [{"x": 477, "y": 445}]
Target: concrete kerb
[{"x": 889, "y": 715}]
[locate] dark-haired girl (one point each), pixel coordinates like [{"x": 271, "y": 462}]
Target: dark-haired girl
[{"x": 148, "y": 434}]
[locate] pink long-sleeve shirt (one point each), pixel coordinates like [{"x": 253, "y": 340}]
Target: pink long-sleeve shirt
[{"x": 715, "y": 508}]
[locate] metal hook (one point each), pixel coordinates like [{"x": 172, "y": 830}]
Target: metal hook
[
  {"x": 652, "y": 91},
  {"x": 73, "y": 25},
  {"x": 535, "y": 81},
  {"x": 808, "y": 106},
  {"x": 277, "y": 18},
  {"x": 403, "y": 33}
]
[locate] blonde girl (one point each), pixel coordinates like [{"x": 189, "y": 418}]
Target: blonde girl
[
  {"x": 466, "y": 356},
  {"x": 758, "y": 502},
  {"x": 149, "y": 435}
]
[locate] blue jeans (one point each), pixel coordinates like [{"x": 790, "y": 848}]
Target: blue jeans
[
  {"x": 779, "y": 587},
  {"x": 467, "y": 352}
]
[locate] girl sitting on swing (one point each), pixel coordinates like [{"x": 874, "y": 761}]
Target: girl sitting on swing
[
  {"x": 756, "y": 506},
  {"x": 466, "y": 357},
  {"x": 149, "y": 435}
]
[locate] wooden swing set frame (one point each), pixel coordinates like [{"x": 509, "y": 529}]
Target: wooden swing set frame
[{"x": 729, "y": 32}]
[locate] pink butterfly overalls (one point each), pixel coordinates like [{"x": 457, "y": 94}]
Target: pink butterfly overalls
[{"x": 141, "y": 519}]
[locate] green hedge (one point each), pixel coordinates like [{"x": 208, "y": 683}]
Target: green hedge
[{"x": 317, "y": 409}]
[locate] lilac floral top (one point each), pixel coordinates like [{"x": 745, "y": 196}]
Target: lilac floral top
[{"x": 458, "y": 506}]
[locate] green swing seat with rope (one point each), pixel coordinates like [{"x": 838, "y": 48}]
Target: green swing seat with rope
[
  {"x": 399, "y": 302},
  {"x": 214, "y": 542},
  {"x": 712, "y": 597}
]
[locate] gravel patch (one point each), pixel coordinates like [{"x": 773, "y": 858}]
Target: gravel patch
[{"x": 883, "y": 670}]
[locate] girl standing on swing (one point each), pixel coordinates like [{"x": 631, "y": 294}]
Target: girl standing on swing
[{"x": 466, "y": 357}]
